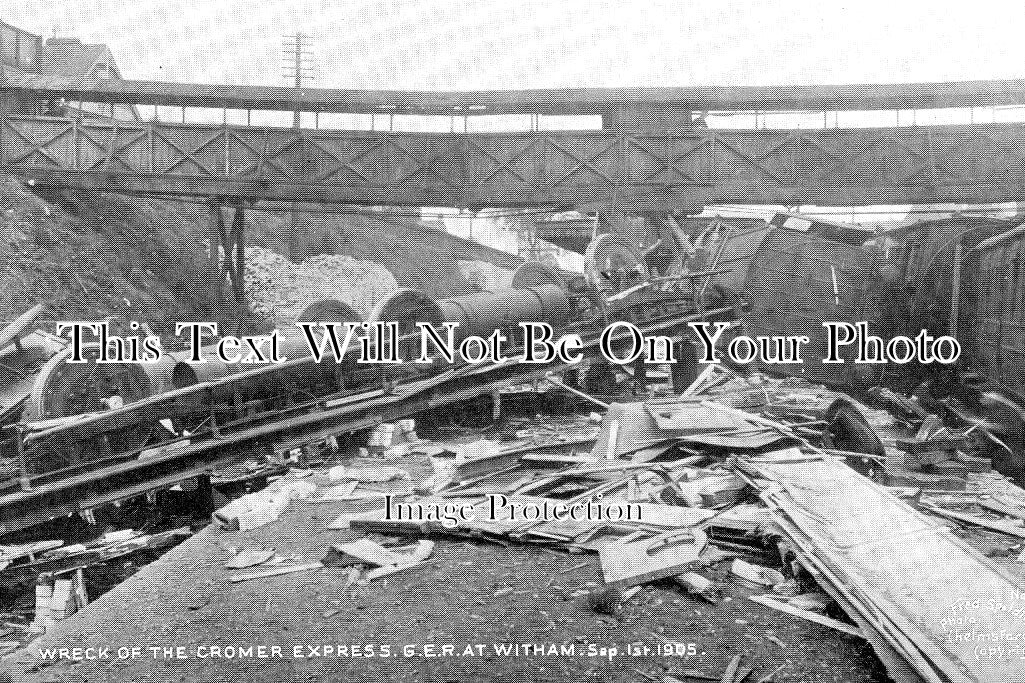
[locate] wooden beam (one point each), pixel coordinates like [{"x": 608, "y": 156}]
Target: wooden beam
[
  {"x": 215, "y": 234},
  {"x": 849, "y": 167},
  {"x": 547, "y": 102},
  {"x": 819, "y": 619}
]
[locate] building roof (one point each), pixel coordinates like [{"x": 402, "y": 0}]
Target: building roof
[{"x": 72, "y": 57}]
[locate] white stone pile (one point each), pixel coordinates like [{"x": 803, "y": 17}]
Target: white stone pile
[
  {"x": 486, "y": 276},
  {"x": 279, "y": 290}
]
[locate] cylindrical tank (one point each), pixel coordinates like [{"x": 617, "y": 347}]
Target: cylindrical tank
[
  {"x": 483, "y": 313},
  {"x": 328, "y": 311},
  {"x": 407, "y": 307},
  {"x": 534, "y": 274},
  {"x": 184, "y": 373}
]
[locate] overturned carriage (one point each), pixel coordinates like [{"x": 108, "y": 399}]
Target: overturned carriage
[{"x": 793, "y": 274}]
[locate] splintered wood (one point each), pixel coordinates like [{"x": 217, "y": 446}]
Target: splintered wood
[{"x": 933, "y": 608}]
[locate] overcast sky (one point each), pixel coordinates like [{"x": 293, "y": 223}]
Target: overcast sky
[{"x": 478, "y": 44}]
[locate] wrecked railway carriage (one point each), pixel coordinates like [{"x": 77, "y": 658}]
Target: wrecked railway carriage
[
  {"x": 959, "y": 276},
  {"x": 734, "y": 464},
  {"x": 995, "y": 273},
  {"x": 156, "y": 426},
  {"x": 794, "y": 274},
  {"x": 786, "y": 277}
]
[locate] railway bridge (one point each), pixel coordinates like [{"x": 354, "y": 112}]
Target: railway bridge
[
  {"x": 653, "y": 153},
  {"x": 648, "y": 156}
]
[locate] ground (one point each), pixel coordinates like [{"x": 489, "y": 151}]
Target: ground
[{"x": 469, "y": 592}]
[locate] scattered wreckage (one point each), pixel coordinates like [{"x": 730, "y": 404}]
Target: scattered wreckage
[
  {"x": 98, "y": 421},
  {"x": 744, "y": 477},
  {"x": 763, "y": 474}
]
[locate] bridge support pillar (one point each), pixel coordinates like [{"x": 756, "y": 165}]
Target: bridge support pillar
[
  {"x": 229, "y": 267},
  {"x": 214, "y": 231}
]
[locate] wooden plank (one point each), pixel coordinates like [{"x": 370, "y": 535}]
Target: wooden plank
[
  {"x": 364, "y": 551},
  {"x": 19, "y": 327},
  {"x": 999, "y": 506},
  {"x": 886, "y": 558},
  {"x": 888, "y": 648},
  {"x": 992, "y": 524},
  {"x": 819, "y": 619},
  {"x": 10, "y": 553},
  {"x": 557, "y": 460},
  {"x": 612, "y": 448},
  {"x": 575, "y": 101},
  {"x": 249, "y": 557}
]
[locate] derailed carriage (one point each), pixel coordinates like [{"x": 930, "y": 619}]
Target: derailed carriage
[
  {"x": 785, "y": 277},
  {"x": 81, "y": 419}
]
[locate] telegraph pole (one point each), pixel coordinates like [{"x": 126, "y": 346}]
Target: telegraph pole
[{"x": 298, "y": 65}]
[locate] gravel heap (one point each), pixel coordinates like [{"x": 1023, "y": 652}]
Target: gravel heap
[
  {"x": 279, "y": 290},
  {"x": 486, "y": 276}
]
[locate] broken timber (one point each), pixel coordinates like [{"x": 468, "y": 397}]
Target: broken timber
[
  {"x": 920, "y": 594},
  {"x": 819, "y": 619}
]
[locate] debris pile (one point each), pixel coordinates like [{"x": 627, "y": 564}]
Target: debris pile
[
  {"x": 279, "y": 290},
  {"x": 877, "y": 557},
  {"x": 746, "y": 480},
  {"x": 938, "y": 454},
  {"x": 58, "y": 572},
  {"x": 771, "y": 493},
  {"x": 485, "y": 276}
]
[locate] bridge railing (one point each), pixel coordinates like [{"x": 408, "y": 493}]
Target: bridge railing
[{"x": 645, "y": 171}]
